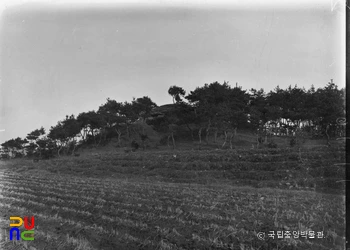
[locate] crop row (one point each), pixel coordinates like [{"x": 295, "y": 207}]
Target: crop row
[
  {"x": 124, "y": 208},
  {"x": 150, "y": 215},
  {"x": 141, "y": 197},
  {"x": 46, "y": 220},
  {"x": 121, "y": 223}
]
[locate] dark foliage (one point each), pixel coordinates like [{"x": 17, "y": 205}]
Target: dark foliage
[{"x": 134, "y": 145}]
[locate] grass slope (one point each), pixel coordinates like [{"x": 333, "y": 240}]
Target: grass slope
[{"x": 182, "y": 199}]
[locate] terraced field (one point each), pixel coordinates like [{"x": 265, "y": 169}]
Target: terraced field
[{"x": 178, "y": 200}]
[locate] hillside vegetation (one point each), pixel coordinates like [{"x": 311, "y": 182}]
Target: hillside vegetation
[
  {"x": 201, "y": 116},
  {"x": 180, "y": 199},
  {"x": 219, "y": 168}
]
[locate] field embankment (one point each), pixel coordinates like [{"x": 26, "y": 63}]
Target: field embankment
[{"x": 201, "y": 199}]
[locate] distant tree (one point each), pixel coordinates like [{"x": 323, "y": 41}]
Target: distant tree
[
  {"x": 90, "y": 122},
  {"x": 4, "y": 153},
  {"x": 294, "y": 104},
  {"x": 258, "y": 109},
  {"x": 237, "y": 101},
  {"x": 165, "y": 121},
  {"x": 318, "y": 109},
  {"x": 182, "y": 114},
  {"x": 34, "y": 135},
  {"x": 330, "y": 103},
  {"x": 310, "y": 107},
  {"x": 47, "y": 147},
  {"x": 176, "y": 92},
  {"x": 142, "y": 107},
  {"x": 113, "y": 118},
  {"x": 14, "y": 146},
  {"x": 84, "y": 121},
  {"x": 205, "y": 101},
  {"x": 72, "y": 128},
  {"x": 128, "y": 112},
  {"x": 171, "y": 124},
  {"x": 63, "y": 134},
  {"x": 286, "y": 106},
  {"x": 59, "y": 136},
  {"x": 217, "y": 105},
  {"x": 139, "y": 108},
  {"x": 33, "y": 147}
]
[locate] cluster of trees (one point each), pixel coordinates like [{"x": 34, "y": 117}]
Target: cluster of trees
[
  {"x": 317, "y": 111},
  {"x": 218, "y": 107},
  {"x": 112, "y": 119},
  {"x": 211, "y": 109}
]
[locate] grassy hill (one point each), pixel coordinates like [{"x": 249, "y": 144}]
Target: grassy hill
[{"x": 193, "y": 197}]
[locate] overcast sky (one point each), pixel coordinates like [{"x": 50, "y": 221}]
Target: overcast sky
[{"x": 62, "y": 60}]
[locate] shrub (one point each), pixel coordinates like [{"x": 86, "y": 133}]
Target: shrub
[
  {"x": 134, "y": 145},
  {"x": 18, "y": 155},
  {"x": 4, "y": 156},
  {"x": 47, "y": 153}
]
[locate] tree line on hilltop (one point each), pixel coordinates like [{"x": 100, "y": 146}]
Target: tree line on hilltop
[{"x": 214, "y": 108}]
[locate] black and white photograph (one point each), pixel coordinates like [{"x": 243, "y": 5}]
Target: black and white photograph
[{"x": 173, "y": 124}]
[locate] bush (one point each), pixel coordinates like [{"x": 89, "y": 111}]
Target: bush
[
  {"x": 4, "y": 156},
  {"x": 48, "y": 153},
  {"x": 134, "y": 145},
  {"x": 18, "y": 155}
]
